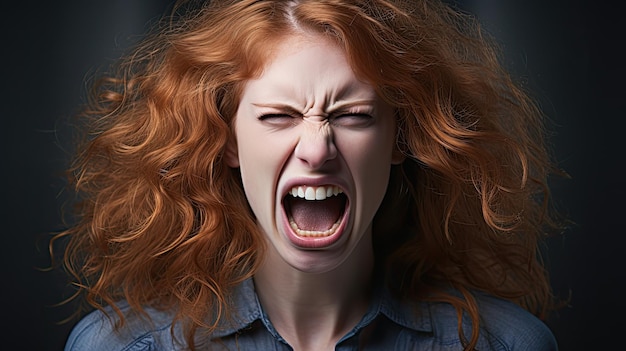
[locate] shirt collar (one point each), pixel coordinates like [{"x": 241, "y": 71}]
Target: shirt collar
[
  {"x": 413, "y": 315},
  {"x": 246, "y": 309}
]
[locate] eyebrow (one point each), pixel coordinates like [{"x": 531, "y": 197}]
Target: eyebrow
[{"x": 336, "y": 107}]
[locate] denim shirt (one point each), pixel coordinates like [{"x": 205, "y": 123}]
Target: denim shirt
[{"x": 387, "y": 325}]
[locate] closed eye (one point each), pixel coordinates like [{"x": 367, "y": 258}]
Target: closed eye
[
  {"x": 353, "y": 120},
  {"x": 278, "y": 119}
]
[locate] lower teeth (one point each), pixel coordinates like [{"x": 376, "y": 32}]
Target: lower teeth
[{"x": 314, "y": 233}]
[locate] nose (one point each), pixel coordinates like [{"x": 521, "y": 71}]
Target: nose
[{"x": 316, "y": 145}]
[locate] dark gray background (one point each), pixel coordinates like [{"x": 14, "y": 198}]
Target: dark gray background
[{"x": 569, "y": 52}]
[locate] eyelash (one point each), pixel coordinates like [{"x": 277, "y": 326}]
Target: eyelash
[
  {"x": 360, "y": 115},
  {"x": 274, "y": 115},
  {"x": 286, "y": 115}
]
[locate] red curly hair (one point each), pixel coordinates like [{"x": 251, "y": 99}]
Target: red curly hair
[{"x": 163, "y": 221}]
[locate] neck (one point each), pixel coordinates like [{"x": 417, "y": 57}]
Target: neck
[{"x": 314, "y": 310}]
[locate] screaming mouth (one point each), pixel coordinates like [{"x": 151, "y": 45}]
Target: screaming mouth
[{"x": 315, "y": 211}]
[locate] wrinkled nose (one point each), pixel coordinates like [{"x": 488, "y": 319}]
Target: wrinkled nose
[{"x": 316, "y": 145}]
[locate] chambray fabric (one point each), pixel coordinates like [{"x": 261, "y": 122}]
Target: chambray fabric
[{"x": 388, "y": 325}]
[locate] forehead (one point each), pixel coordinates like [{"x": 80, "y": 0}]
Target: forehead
[{"x": 310, "y": 67}]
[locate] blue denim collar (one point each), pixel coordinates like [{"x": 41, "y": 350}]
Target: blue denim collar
[{"x": 246, "y": 309}]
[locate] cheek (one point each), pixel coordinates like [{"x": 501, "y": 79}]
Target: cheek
[
  {"x": 369, "y": 159},
  {"x": 261, "y": 158},
  {"x": 368, "y": 153},
  {"x": 255, "y": 172}
]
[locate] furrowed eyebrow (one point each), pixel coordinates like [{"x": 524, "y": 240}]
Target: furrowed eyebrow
[
  {"x": 349, "y": 104},
  {"x": 336, "y": 107},
  {"x": 282, "y": 107}
]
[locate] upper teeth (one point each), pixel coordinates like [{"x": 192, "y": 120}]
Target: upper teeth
[{"x": 315, "y": 192}]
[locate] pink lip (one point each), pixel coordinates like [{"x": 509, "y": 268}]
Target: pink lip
[{"x": 314, "y": 242}]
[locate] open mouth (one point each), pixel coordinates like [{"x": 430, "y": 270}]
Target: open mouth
[{"x": 315, "y": 211}]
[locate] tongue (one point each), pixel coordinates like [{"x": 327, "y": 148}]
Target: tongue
[{"x": 318, "y": 215}]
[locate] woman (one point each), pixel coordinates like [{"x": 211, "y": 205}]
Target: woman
[{"x": 312, "y": 175}]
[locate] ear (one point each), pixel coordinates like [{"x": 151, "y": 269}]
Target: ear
[
  {"x": 397, "y": 156},
  {"x": 231, "y": 155}
]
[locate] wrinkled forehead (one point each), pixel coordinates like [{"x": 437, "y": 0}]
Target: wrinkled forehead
[{"x": 308, "y": 71}]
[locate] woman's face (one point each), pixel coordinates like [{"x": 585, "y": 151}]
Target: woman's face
[{"x": 314, "y": 145}]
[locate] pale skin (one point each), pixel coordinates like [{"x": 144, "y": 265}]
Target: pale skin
[{"x": 309, "y": 122}]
